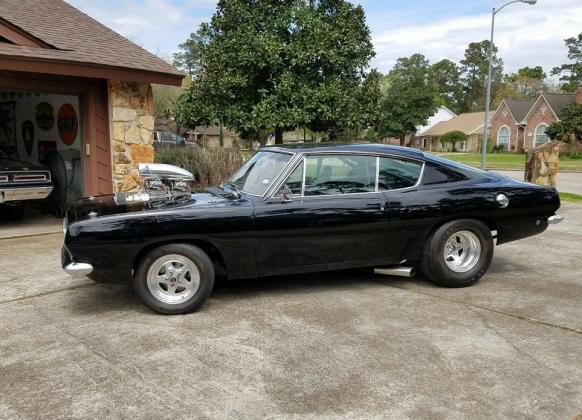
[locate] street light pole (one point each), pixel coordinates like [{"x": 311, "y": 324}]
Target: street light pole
[{"x": 488, "y": 94}]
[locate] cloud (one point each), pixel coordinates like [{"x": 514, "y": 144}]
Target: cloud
[
  {"x": 157, "y": 25},
  {"x": 525, "y": 35}
]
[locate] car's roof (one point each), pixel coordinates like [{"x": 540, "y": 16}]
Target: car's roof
[{"x": 346, "y": 147}]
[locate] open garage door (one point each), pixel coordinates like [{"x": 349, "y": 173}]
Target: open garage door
[
  {"x": 41, "y": 143},
  {"x": 62, "y": 123}
]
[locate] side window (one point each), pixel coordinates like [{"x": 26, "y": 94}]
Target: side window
[
  {"x": 340, "y": 174},
  {"x": 438, "y": 175},
  {"x": 294, "y": 181},
  {"x": 398, "y": 173}
]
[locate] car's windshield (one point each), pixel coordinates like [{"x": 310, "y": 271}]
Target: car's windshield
[{"x": 260, "y": 171}]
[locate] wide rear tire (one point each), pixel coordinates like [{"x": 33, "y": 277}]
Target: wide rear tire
[
  {"x": 174, "y": 279},
  {"x": 458, "y": 253}
]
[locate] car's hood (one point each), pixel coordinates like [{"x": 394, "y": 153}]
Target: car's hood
[
  {"x": 108, "y": 205},
  {"x": 7, "y": 164}
]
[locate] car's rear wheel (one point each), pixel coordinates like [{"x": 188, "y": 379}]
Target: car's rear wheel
[
  {"x": 458, "y": 253},
  {"x": 174, "y": 279}
]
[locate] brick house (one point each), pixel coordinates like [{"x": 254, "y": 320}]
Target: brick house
[
  {"x": 75, "y": 87},
  {"x": 520, "y": 125}
]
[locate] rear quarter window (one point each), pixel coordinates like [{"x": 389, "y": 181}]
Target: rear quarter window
[{"x": 434, "y": 174}]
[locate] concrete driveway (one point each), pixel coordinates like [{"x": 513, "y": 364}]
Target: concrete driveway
[{"x": 343, "y": 344}]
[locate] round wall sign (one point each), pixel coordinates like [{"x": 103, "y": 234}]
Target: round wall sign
[
  {"x": 44, "y": 116},
  {"x": 67, "y": 124}
]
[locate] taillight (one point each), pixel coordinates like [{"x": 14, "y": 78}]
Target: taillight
[
  {"x": 3, "y": 178},
  {"x": 28, "y": 178}
]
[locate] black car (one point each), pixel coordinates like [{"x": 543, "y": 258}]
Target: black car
[
  {"x": 304, "y": 209},
  {"x": 22, "y": 181}
]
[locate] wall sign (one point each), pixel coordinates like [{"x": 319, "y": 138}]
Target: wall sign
[
  {"x": 44, "y": 147},
  {"x": 44, "y": 116},
  {"x": 27, "y": 130},
  {"x": 8, "y": 128},
  {"x": 67, "y": 124}
]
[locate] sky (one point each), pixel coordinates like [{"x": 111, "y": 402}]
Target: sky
[{"x": 525, "y": 35}]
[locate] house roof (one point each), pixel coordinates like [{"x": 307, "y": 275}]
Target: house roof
[
  {"x": 467, "y": 122},
  {"x": 557, "y": 101},
  {"x": 58, "y": 32},
  {"x": 518, "y": 107}
]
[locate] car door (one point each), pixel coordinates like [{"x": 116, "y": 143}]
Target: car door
[
  {"x": 335, "y": 217},
  {"x": 398, "y": 179}
]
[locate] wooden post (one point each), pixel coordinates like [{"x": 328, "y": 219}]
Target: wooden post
[{"x": 541, "y": 164}]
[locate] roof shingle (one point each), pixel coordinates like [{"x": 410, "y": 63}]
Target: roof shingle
[
  {"x": 467, "y": 123},
  {"x": 75, "y": 36}
]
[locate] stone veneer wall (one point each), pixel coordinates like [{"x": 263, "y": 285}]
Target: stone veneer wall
[{"x": 132, "y": 126}]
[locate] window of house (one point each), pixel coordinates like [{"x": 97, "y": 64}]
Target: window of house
[
  {"x": 503, "y": 136},
  {"x": 398, "y": 173},
  {"x": 540, "y": 136},
  {"x": 339, "y": 174}
]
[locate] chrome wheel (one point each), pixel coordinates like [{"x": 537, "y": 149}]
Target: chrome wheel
[
  {"x": 173, "y": 279},
  {"x": 462, "y": 251}
]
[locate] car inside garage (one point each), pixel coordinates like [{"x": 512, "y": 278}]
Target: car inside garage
[
  {"x": 76, "y": 111},
  {"x": 38, "y": 128}
]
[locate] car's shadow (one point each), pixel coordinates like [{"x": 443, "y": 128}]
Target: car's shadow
[{"x": 121, "y": 297}]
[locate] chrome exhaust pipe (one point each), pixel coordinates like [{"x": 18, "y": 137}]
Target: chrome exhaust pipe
[{"x": 396, "y": 271}]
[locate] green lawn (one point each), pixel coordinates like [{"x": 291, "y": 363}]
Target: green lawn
[
  {"x": 570, "y": 197},
  {"x": 509, "y": 161}
]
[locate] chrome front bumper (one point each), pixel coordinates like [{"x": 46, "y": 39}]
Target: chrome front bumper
[
  {"x": 554, "y": 219},
  {"x": 78, "y": 269},
  {"x": 24, "y": 193}
]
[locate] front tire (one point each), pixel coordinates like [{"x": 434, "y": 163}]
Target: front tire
[
  {"x": 458, "y": 253},
  {"x": 174, "y": 279}
]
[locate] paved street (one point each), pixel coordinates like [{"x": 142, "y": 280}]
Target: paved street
[
  {"x": 567, "y": 181},
  {"x": 344, "y": 344}
]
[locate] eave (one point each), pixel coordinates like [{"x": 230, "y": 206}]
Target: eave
[{"x": 91, "y": 70}]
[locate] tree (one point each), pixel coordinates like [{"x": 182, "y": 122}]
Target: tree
[
  {"x": 189, "y": 55},
  {"x": 453, "y": 137},
  {"x": 446, "y": 76},
  {"x": 409, "y": 97},
  {"x": 474, "y": 74},
  {"x": 571, "y": 73},
  {"x": 569, "y": 126},
  {"x": 527, "y": 83},
  {"x": 283, "y": 64}
]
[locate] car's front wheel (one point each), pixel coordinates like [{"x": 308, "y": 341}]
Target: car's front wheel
[
  {"x": 458, "y": 253},
  {"x": 174, "y": 279}
]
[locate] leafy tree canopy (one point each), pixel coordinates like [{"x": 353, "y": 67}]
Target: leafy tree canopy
[
  {"x": 409, "y": 97},
  {"x": 571, "y": 73},
  {"x": 188, "y": 58},
  {"x": 569, "y": 125},
  {"x": 527, "y": 83},
  {"x": 283, "y": 64},
  {"x": 446, "y": 76},
  {"x": 474, "y": 74},
  {"x": 453, "y": 137}
]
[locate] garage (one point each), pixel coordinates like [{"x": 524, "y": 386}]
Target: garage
[{"x": 75, "y": 97}]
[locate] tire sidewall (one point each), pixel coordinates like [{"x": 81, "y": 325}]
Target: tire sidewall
[
  {"x": 435, "y": 266},
  {"x": 193, "y": 253}
]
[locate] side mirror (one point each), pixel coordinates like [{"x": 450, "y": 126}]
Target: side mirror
[{"x": 286, "y": 195}]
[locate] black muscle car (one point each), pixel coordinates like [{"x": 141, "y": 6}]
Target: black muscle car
[
  {"x": 304, "y": 209},
  {"x": 21, "y": 181}
]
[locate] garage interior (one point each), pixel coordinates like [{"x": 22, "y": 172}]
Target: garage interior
[{"x": 76, "y": 98}]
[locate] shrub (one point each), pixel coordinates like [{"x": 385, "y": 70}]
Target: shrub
[
  {"x": 209, "y": 166},
  {"x": 453, "y": 137}
]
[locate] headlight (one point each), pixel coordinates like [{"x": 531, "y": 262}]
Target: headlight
[{"x": 65, "y": 225}]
